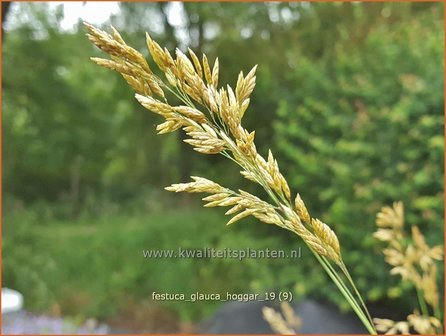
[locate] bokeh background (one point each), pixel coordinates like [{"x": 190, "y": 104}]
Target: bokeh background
[{"x": 349, "y": 97}]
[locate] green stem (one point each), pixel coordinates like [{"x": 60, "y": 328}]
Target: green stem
[
  {"x": 342, "y": 282},
  {"x": 179, "y": 97},
  {"x": 352, "y": 283},
  {"x": 437, "y": 313},
  {"x": 187, "y": 100},
  {"x": 348, "y": 296},
  {"x": 422, "y": 303}
]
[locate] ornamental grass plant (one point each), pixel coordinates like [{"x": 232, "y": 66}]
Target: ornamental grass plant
[{"x": 211, "y": 117}]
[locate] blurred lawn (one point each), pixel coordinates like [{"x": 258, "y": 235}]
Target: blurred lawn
[{"x": 94, "y": 266}]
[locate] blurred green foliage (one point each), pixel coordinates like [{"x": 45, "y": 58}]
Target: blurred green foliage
[
  {"x": 363, "y": 127},
  {"x": 349, "y": 97},
  {"x": 95, "y": 266}
]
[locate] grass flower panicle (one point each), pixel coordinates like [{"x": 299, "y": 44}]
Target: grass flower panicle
[
  {"x": 216, "y": 128},
  {"x": 211, "y": 117}
]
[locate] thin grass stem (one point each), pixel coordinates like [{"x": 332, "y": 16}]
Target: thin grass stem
[
  {"x": 347, "y": 295},
  {"x": 358, "y": 294},
  {"x": 422, "y": 303}
]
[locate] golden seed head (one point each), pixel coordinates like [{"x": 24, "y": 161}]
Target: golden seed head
[{"x": 212, "y": 126}]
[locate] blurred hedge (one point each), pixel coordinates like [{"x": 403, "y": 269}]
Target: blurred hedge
[{"x": 362, "y": 126}]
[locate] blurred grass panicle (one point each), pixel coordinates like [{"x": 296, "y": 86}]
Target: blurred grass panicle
[{"x": 415, "y": 261}]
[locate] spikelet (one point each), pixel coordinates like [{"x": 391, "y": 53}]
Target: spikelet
[
  {"x": 244, "y": 88},
  {"x": 116, "y": 47},
  {"x": 290, "y": 316},
  {"x": 162, "y": 58},
  {"x": 391, "y": 217},
  {"x": 168, "y": 126},
  {"x": 276, "y": 322},
  {"x": 200, "y": 184},
  {"x": 328, "y": 238},
  {"x": 198, "y": 68},
  {"x": 429, "y": 286},
  {"x": 270, "y": 173},
  {"x": 215, "y": 73},
  {"x": 191, "y": 113},
  {"x": 245, "y": 85},
  {"x": 117, "y": 66},
  {"x": 426, "y": 255},
  {"x": 301, "y": 209},
  {"x": 319, "y": 243},
  {"x": 204, "y": 139},
  {"x": 154, "y": 105},
  {"x": 207, "y": 70},
  {"x": 249, "y": 176}
]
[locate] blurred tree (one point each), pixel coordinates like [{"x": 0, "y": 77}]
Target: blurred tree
[{"x": 6, "y": 6}]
